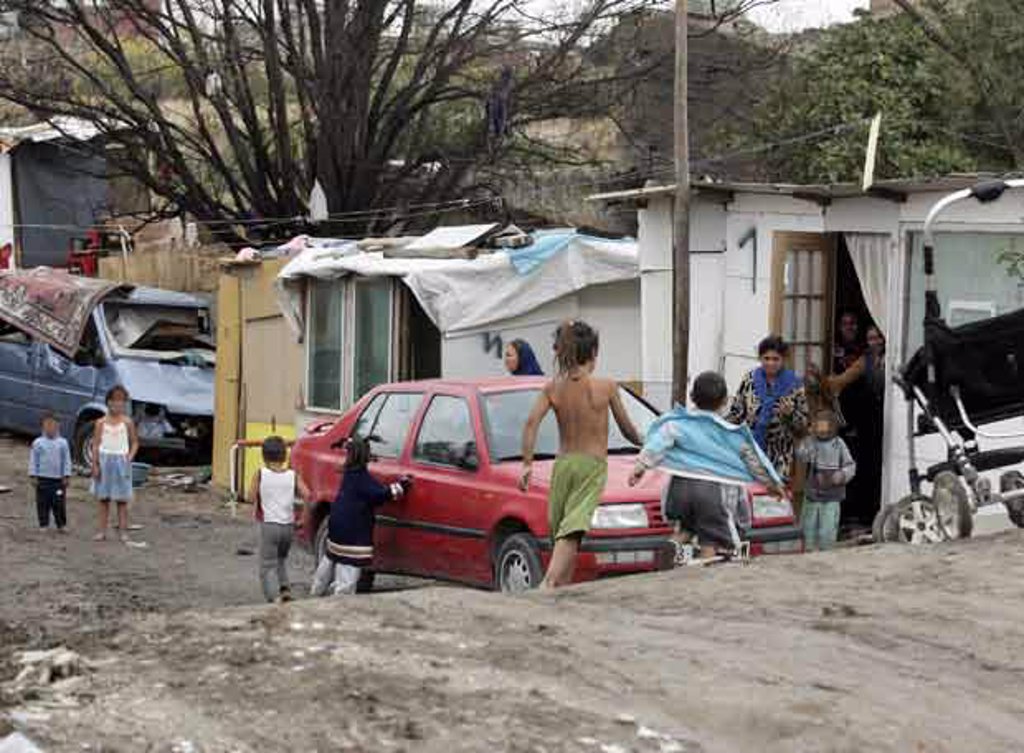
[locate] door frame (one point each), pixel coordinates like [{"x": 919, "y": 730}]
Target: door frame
[{"x": 781, "y": 243}]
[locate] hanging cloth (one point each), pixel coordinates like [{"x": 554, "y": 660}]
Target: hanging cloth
[{"x": 870, "y": 254}]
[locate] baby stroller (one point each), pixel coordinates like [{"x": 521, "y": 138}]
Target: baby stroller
[{"x": 961, "y": 379}]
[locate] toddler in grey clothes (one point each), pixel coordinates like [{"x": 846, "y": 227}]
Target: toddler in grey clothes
[{"x": 830, "y": 467}]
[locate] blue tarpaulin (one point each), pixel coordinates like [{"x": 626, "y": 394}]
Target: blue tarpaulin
[{"x": 545, "y": 245}]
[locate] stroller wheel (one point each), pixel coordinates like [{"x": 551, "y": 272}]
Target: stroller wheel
[
  {"x": 886, "y": 528},
  {"x": 1016, "y": 513},
  {"x": 954, "y": 506},
  {"x": 1010, "y": 482},
  {"x": 918, "y": 521},
  {"x": 883, "y": 528}
]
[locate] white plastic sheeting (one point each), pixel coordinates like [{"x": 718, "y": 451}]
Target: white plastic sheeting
[{"x": 460, "y": 294}]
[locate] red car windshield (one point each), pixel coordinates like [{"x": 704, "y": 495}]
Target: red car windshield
[{"x": 505, "y": 416}]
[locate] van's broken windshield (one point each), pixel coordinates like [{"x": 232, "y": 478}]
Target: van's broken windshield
[{"x": 168, "y": 331}]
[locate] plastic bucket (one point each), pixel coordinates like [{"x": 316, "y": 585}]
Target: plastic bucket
[{"x": 140, "y": 474}]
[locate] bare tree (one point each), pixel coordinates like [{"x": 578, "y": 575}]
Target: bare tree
[{"x": 232, "y": 109}]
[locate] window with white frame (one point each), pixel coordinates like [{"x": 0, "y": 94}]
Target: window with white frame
[
  {"x": 325, "y": 340},
  {"x": 349, "y": 340},
  {"x": 973, "y": 275},
  {"x": 372, "y": 324}
]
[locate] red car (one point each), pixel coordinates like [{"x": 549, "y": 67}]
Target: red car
[{"x": 464, "y": 518}]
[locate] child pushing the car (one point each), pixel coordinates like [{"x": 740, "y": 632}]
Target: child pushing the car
[
  {"x": 709, "y": 460},
  {"x": 351, "y": 522}
]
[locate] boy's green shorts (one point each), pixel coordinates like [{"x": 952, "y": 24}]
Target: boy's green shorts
[{"x": 577, "y": 484}]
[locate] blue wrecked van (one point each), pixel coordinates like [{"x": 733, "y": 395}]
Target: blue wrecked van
[{"x": 64, "y": 341}]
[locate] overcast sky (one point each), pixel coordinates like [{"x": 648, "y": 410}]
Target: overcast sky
[{"x": 790, "y": 15}]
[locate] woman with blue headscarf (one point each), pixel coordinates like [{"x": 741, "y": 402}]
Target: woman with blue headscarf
[
  {"x": 772, "y": 402},
  {"x": 520, "y": 359}
]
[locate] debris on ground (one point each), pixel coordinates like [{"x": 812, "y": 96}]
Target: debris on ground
[
  {"x": 18, "y": 743},
  {"x": 183, "y": 655},
  {"x": 185, "y": 482},
  {"x": 46, "y": 667}
]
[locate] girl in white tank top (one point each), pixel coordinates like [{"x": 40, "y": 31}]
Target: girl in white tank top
[
  {"x": 114, "y": 445},
  {"x": 114, "y": 438}
]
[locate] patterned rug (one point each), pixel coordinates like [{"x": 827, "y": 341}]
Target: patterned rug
[{"x": 51, "y": 305}]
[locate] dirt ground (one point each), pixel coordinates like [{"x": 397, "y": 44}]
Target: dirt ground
[{"x": 870, "y": 649}]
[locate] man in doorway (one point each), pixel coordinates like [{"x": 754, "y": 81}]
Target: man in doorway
[{"x": 848, "y": 345}]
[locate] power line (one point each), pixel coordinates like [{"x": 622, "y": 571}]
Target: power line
[
  {"x": 834, "y": 130},
  {"x": 461, "y": 205},
  {"x": 412, "y": 211}
]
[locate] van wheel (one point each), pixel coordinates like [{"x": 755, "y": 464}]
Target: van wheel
[
  {"x": 82, "y": 448},
  {"x": 517, "y": 568}
]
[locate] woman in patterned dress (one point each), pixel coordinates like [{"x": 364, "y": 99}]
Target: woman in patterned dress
[{"x": 772, "y": 402}]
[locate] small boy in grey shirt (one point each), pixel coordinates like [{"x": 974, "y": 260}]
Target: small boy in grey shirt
[
  {"x": 830, "y": 467},
  {"x": 49, "y": 467}
]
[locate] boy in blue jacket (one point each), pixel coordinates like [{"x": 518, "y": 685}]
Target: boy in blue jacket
[
  {"x": 352, "y": 518},
  {"x": 49, "y": 467},
  {"x": 711, "y": 460}
]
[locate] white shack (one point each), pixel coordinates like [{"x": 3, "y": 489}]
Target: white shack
[
  {"x": 414, "y": 310},
  {"x": 789, "y": 259}
]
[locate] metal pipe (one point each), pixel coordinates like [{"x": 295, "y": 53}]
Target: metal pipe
[
  {"x": 956, "y": 449},
  {"x": 915, "y": 476}
]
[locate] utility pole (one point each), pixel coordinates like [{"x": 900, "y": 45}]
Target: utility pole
[{"x": 681, "y": 213}]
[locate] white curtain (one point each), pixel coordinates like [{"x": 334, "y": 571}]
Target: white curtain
[{"x": 870, "y": 253}]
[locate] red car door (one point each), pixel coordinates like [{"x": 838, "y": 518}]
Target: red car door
[
  {"x": 437, "y": 530},
  {"x": 386, "y": 422}
]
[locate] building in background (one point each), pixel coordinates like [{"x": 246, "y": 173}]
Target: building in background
[
  {"x": 302, "y": 342},
  {"x": 57, "y": 198},
  {"x": 791, "y": 259}
]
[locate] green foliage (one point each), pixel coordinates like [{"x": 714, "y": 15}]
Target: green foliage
[
  {"x": 984, "y": 39},
  {"x": 1012, "y": 258},
  {"x": 850, "y": 73}
]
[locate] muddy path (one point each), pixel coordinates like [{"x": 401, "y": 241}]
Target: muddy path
[
  {"x": 196, "y": 556},
  {"x": 878, "y": 648}
]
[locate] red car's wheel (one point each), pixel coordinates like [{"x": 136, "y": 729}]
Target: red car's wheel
[{"x": 518, "y": 568}]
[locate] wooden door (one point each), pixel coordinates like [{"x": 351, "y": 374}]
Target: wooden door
[{"x": 803, "y": 267}]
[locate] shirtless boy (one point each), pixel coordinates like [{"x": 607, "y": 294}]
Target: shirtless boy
[{"x": 581, "y": 402}]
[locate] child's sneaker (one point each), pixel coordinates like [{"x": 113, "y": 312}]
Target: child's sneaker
[{"x": 684, "y": 554}]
